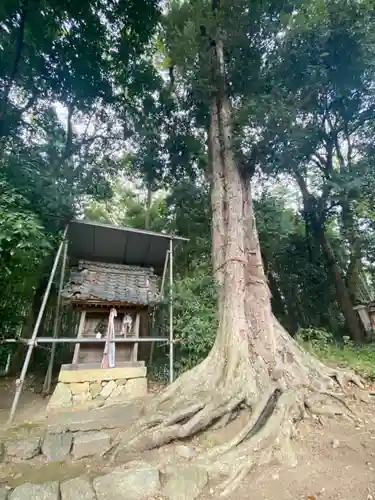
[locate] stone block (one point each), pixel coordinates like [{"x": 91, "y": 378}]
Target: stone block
[
  {"x": 121, "y": 381},
  {"x": 135, "y": 388},
  {"x": 95, "y": 388},
  {"x": 82, "y": 398},
  {"x": 117, "y": 393},
  {"x": 185, "y": 484},
  {"x": 100, "y": 374},
  {"x": 108, "y": 389},
  {"x": 79, "y": 388},
  {"x": 87, "y": 444},
  {"x": 23, "y": 449},
  {"x": 78, "y": 488},
  {"x": 28, "y": 491},
  {"x": 3, "y": 493},
  {"x": 138, "y": 483},
  {"x": 61, "y": 398},
  {"x": 57, "y": 447},
  {"x": 99, "y": 401}
]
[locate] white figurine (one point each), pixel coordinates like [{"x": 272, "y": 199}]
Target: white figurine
[{"x": 127, "y": 323}]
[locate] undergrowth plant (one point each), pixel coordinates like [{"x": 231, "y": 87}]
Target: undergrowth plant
[{"x": 344, "y": 353}]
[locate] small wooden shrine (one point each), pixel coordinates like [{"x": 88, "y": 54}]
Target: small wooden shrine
[
  {"x": 113, "y": 287},
  {"x": 114, "y": 300}
]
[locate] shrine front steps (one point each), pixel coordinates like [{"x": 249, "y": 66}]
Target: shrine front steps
[
  {"x": 66, "y": 436},
  {"x": 77, "y": 443},
  {"x": 91, "y": 386}
]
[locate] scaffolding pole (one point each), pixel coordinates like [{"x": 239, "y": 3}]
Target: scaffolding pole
[
  {"x": 94, "y": 340},
  {"x": 82, "y": 340},
  {"x": 151, "y": 357},
  {"x": 164, "y": 273},
  {"x": 21, "y": 380},
  {"x": 56, "y": 323},
  {"x": 171, "y": 350}
]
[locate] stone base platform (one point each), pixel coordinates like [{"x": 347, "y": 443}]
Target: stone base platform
[{"x": 92, "y": 386}]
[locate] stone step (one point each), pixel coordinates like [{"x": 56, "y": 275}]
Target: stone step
[{"x": 136, "y": 480}]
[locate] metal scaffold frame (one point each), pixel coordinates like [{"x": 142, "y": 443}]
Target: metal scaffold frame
[{"x": 62, "y": 254}]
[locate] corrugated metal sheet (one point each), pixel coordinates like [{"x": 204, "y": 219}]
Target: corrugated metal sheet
[
  {"x": 111, "y": 283},
  {"x": 118, "y": 245}
]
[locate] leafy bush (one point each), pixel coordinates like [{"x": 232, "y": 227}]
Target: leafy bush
[
  {"x": 314, "y": 335},
  {"x": 5, "y": 350},
  {"x": 194, "y": 322},
  {"x": 345, "y": 354},
  {"x": 23, "y": 244},
  {"x": 195, "y": 319}
]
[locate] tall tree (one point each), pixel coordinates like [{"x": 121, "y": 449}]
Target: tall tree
[
  {"x": 320, "y": 133},
  {"x": 59, "y": 140},
  {"x": 254, "y": 363}
]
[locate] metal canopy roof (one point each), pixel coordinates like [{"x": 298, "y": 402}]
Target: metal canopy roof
[{"x": 118, "y": 245}]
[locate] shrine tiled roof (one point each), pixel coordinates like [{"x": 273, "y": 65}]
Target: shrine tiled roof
[{"x": 102, "y": 283}]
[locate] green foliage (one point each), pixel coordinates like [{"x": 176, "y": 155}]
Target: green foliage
[
  {"x": 314, "y": 336},
  {"x": 23, "y": 245},
  {"x": 194, "y": 322},
  {"x": 21, "y": 235},
  {"x": 62, "y": 65},
  {"x": 302, "y": 293},
  {"x": 127, "y": 207},
  {"x": 5, "y": 350},
  {"x": 346, "y": 355},
  {"x": 321, "y": 130},
  {"x": 82, "y": 82},
  {"x": 195, "y": 318},
  {"x": 59, "y": 70},
  {"x": 189, "y": 211}
]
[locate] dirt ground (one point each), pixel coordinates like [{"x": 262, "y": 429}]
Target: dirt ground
[
  {"x": 336, "y": 460},
  {"x": 31, "y": 404}
]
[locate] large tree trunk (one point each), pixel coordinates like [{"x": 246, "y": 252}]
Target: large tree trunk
[
  {"x": 342, "y": 293},
  {"x": 148, "y": 207},
  {"x": 254, "y": 365},
  {"x": 351, "y": 233},
  {"x": 278, "y": 303}
]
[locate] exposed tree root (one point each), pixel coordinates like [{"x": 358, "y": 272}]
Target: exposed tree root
[
  {"x": 189, "y": 407},
  {"x": 252, "y": 447}
]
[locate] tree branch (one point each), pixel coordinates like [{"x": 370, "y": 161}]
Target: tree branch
[
  {"x": 306, "y": 195},
  {"x": 349, "y": 142},
  {"x": 69, "y": 133},
  {"x": 321, "y": 159}
]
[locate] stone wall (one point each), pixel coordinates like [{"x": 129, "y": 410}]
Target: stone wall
[{"x": 94, "y": 387}]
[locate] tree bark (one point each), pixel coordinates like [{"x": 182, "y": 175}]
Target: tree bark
[{"x": 342, "y": 292}]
